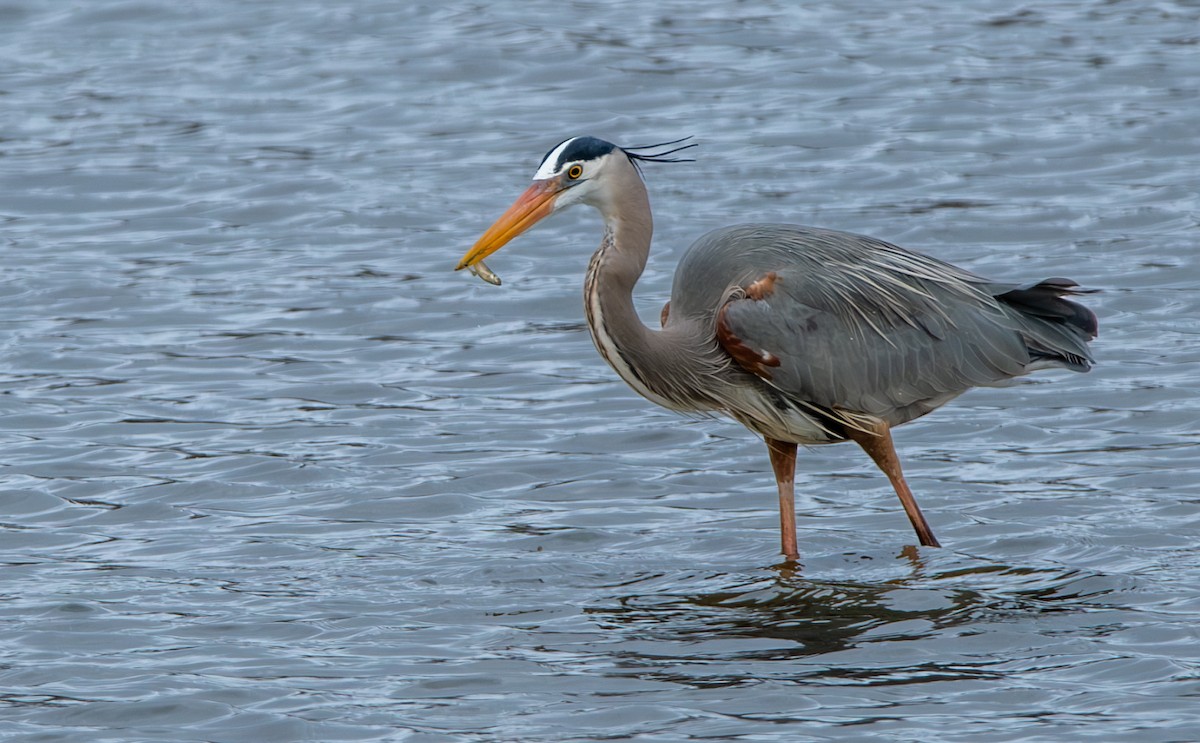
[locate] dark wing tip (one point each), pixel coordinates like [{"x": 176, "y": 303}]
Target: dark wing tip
[
  {"x": 1066, "y": 286},
  {"x": 1045, "y": 300}
]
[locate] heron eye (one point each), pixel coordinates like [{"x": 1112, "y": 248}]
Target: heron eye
[{"x": 574, "y": 171}]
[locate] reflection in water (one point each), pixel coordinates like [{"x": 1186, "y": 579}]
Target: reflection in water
[{"x": 732, "y": 631}]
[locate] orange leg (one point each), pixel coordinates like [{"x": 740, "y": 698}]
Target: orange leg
[
  {"x": 878, "y": 444},
  {"x": 783, "y": 462}
]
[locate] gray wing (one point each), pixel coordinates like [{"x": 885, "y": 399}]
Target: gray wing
[{"x": 849, "y": 323}]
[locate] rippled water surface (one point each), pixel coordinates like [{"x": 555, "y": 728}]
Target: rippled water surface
[{"x": 271, "y": 471}]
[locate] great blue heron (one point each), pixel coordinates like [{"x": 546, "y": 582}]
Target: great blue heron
[{"x": 803, "y": 335}]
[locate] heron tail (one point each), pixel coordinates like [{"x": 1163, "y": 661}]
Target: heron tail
[{"x": 1057, "y": 330}]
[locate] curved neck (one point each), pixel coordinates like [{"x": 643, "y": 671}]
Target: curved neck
[
  {"x": 655, "y": 364},
  {"x": 618, "y": 333}
]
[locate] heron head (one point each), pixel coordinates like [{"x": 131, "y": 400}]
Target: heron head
[
  {"x": 572, "y": 172},
  {"x": 569, "y": 174}
]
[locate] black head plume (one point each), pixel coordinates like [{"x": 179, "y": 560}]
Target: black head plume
[{"x": 644, "y": 153}]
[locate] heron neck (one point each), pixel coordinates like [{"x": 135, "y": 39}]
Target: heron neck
[
  {"x": 638, "y": 354},
  {"x": 619, "y": 261}
]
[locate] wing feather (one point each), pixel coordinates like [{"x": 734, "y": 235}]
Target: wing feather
[
  {"x": 857, "y": 329},
  {"x": 864, "y": 327}
]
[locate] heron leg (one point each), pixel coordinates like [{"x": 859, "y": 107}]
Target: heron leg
[
  {"x": 878, "y": 444},
  {"x": 783, "y": 462}
]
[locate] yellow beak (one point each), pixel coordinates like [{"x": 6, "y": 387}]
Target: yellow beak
[{"x": 530, "y": 207}]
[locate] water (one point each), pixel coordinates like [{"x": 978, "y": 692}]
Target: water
[{"x": 272, "y": 472}]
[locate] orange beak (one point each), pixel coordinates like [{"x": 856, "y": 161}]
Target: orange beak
[{"x": 530, "y": 208}]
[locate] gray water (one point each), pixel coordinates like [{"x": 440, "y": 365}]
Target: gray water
[{"x": 272, "y": 472}]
